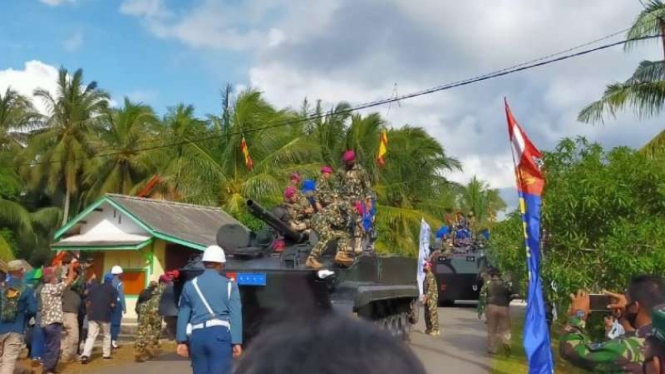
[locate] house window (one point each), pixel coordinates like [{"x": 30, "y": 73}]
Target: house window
[{"x": 133, "y": 282}]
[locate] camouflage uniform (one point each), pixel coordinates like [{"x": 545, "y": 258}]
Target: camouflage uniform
[
  {"x": 299, "y": 219},
  {"x": 496, "y": 295},
  {"x": 331, "y": 223},
  {"x": 150, "y": 324},
  {"x": 431, "y": 291},
  {"x": 355, "y": 188},
  {"x": 324, "y": 191},
  {"x": 620, "y": 355}
]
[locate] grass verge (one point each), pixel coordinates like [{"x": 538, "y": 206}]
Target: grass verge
[{"x": 517, "y": 363}]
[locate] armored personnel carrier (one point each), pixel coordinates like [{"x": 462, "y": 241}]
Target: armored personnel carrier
[
  {"x": 459, "y": 274},
  {"x": 274, "y": 283}
]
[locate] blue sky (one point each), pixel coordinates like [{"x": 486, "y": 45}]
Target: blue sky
[
  {"x": 163, "y": 52},
  {"x": 115, "y": 50}
]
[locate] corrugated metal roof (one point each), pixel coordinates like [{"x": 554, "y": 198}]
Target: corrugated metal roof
[{"x": 191, "y": 223}]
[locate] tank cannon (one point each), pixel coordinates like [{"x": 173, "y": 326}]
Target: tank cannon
[{"x": 273, "y": 284}]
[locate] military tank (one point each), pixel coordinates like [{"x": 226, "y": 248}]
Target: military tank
[
  {"x": 459, "y": 274},
  {"x": 269, "y": 268}
]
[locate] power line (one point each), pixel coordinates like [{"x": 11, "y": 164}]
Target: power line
[
  {"x": 499, "y": 73},
  {"x": 394, "y": 93}
]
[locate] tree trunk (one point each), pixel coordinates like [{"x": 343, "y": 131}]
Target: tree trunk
[{"x": 65, "y": 209}]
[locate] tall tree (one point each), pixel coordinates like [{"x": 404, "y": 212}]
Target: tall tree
[
  {"x": 645, "y": 90},
  {"x": 16, "y": 114},
  {"x": 61, "y": 150},
  {"x": 483, "y": 201},
  {"x": 123, "y": 133}
]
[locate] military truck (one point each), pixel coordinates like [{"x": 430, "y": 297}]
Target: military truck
[
  {"x": 274, "y": 283},
  {"x": 459, "y": 274}
]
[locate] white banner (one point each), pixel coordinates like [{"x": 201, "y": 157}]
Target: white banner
[{"x": 423, "y": 252}]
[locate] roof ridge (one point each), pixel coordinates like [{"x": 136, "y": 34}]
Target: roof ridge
[{"x": 165, "y": 202}]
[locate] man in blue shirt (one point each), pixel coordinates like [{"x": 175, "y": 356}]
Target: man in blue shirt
[
  {"x": 210, "y": 304},
  {"x": 19, "y": 304}
]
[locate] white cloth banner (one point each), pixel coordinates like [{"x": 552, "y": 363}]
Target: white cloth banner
[{"x": 423, "y": 252}]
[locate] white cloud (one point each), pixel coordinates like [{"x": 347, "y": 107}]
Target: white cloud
[
  {"x": 56, "y": 2},
  {"x": 142, "y": 96},
  {"x": 74, "y": 42},
  {"x": 356, "y": 50},
  {"x": 35, "y": 74},
  {"x": 210, "y": 24}
]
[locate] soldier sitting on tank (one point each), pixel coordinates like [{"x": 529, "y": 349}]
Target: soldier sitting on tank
[
  {"x": 329, "y": 224},
  {"x": 294, "y": 180},
  {"x": 299, "y": 213}
]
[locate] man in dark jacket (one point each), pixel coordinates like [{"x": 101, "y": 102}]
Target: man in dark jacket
[
  {"x": 101, "y": 300},
  {"x": 498, "y": 294}
]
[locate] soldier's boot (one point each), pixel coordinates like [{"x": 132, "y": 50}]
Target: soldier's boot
[
  {"x": 342, "y": 258},
  {"x": 313, "y": 263}
]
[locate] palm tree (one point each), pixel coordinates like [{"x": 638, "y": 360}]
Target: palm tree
[
  {"x": 16, "y": 113},
  {"x": 124, "y": 132},
  {"x": 60, "y": 152},
  {"x": 645, "y": 90},
  {"x": 411, "y": 186},
  {"x": 483, "y": 201},
  {"x": 277, "y": 145}
]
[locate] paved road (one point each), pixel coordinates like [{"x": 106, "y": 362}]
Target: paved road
[{"x": 459, "y": 349}]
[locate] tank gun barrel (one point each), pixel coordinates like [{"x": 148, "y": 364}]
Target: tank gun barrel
[{"x": 281, "y": 227}]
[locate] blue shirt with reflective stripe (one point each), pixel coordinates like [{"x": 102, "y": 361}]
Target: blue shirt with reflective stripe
[
  {"x": 214, "y": 288},
  {"x": 27, "y": 307}
]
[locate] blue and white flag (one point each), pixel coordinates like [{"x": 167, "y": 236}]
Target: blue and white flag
[{"x": 423, "y": 252}]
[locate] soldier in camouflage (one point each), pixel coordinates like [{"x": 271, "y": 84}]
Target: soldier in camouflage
[
  {"x": 431, "y": 301},
  {"x": 624, "y": 354},
  {"x": 325, "y": 186},
  {"x": 356, "y": 189},
  {"x": 494, "y": 302},
  {"x": 149, "y": 324},
  {"x": 332, "y": 223},
  {"x": 294, "y": 181},
  {"x": 654, "y": 354},
  {"x": 299, "y": 212}
]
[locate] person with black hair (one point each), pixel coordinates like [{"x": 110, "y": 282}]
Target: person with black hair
[
  {"x": 328, "y": 344},
  {"x": 624, "y": 354}
]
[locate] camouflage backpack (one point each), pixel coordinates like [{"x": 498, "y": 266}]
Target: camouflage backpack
[{"x": 9, "y": 300}]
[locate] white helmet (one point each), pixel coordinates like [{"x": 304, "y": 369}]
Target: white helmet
[
  {"x": 214, "y": 253},
  {"x": 116, "y": 270}
]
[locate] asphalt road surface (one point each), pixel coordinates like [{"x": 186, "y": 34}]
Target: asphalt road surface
[{"x": 459, "y": 349}]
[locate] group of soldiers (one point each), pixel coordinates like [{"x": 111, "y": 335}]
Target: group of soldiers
[{"x": 337, "y": 206}]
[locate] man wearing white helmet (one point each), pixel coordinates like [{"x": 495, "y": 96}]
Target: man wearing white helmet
[
  {"x": 120, "y": 307},
  {"x": 210, "y": 308}
]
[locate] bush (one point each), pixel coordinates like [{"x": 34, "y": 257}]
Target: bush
[{"x": 603, "y": 220}]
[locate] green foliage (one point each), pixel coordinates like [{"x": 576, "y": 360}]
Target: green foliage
[
  {"x": 82, "y": 149},
  {"x": 603, "y": 219}
]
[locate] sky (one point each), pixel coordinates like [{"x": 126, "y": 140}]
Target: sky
[{"x": 163, "y": 52}]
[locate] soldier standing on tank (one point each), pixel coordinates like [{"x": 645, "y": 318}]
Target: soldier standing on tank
[
  {"x": 431, "y": 301},
  {"x": 299, "y": 212},
  {"x": 325, "y": 186},
  {"x": 356, "y": 189},
  {"x": 332, "y": 223},
  {"x": 150, "y": 323},
  {"x": 497, "y": 294}
]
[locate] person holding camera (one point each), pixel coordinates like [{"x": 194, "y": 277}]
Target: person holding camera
[{"x": 623, "y": 354}]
